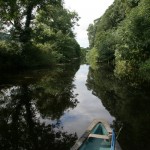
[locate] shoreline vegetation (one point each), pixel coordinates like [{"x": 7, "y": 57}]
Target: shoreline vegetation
[
  {"x": 121, "y": 38},
  {"x": 36, "y": 34}
]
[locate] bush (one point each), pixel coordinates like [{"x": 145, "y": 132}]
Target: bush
[
  {"x": 92, "y": 57},
  {"x": 10, "y": 54},
  {"x": 144, "y": 70}
]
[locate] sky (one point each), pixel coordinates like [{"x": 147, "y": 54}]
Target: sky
[{"x": 88, "y": 10}]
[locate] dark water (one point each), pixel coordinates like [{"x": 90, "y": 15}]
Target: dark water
[
  {"x": 50, "y": 109},
  {"x": 128, "y": 102}
]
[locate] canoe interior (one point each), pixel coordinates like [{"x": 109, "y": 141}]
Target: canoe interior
[{"x": 97, "y": 143}]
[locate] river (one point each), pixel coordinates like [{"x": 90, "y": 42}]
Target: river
[
  {"x": 49, "y": 109},
  {"x": 88, "y": 108}
]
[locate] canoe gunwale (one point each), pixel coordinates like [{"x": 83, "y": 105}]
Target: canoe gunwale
[{"x": 88, "y": 131}]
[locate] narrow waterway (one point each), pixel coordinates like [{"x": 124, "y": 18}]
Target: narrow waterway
[
  {"x": 49, "y": 109},
  {"x": 88, "y": 108}
]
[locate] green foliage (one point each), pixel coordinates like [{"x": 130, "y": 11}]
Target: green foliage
[
  {"x": 102, "y": 34},
  {"x": 132, "y": 3},
  {"x": 9, "y": 48},
  {"x": 134, "y": 43},
  {"x": 41, "y": 31},
  {"x": 92, "y": 57},
  {"x": 122, "y": 36},
  {"x": 10, "y": 54},
  {"x": 58, "y": 19},
  {"x": 106, "y": 46},
  {"x": 54, "y": 26},
  {"x": 39, "y": 55},
  {"x": 91, "y": 33},
  {"x": 66, "y": 46},
  {"x": 144, "y": 70},
  {"x": 84, "y": 52},
  {"x": 17, "y": 16},
  {"x": 4, "y": 36},
  {"x": 112, "y": 17}
]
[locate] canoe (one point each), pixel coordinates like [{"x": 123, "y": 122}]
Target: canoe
[{"x": 98, "y": 136}]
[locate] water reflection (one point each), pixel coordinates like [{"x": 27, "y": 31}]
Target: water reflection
[
  {"x": 88, "y": 108},
  {"x": 129, "y": 103},
  {"x": 43, "y": 109},
  {"x": 26, "y": 99}
]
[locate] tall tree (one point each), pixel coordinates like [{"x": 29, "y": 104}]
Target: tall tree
[
  {"x": 54, "y": 28},
  {"x": 17, "y": 16}
]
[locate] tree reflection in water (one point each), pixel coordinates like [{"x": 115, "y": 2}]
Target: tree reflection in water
[
  {"x": 128, "y": 102},
  {"x": 28, "y": 100}
]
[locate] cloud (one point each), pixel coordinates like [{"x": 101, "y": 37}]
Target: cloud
[{"x": 88, "y": 11}]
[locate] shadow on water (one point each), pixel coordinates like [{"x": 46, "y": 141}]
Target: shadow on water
[
  {"x": 28, "y": 100},
  {"x": 128, "y": 102}
]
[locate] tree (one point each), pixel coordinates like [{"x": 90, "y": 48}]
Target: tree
[
  {"x": 17, "y": 16},
  {"x": 41, "y": 31},
  {"x": 91, "y": 35},
  {"x": 122, "y": 36},
  {"x": 132, "y": 50},
  {"x": 54, "y": 28}
]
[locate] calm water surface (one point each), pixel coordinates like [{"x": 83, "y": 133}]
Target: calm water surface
[
  {"x": 49, "y": 109},
  {"x": 88, "y": 108}
]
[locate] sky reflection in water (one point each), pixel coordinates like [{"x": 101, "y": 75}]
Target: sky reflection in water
[{"x": 88, "y": 108}]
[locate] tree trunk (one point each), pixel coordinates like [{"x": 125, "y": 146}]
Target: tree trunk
[{"x": 25, "y": 35}]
